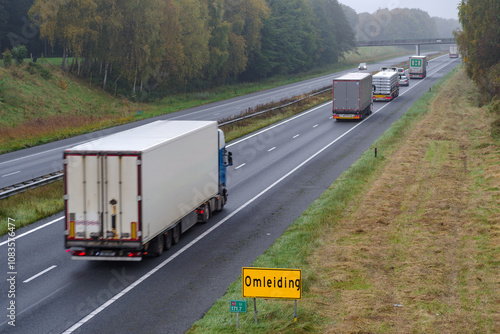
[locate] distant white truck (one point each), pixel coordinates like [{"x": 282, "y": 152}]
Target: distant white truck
[
  {"x": 453, "y": 51},
  {"x": 386, "y": 85},
  {"x": 417, "y": 67},
  {"x": 352, "y": 96},
  {"x": 133, "y": 193}
]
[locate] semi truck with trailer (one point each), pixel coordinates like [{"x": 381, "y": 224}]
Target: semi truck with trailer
[
  {"x": 134, "y": 193},
  {"x": 453, "y": 51},
  {"x": 352, "y": 96},
  {"x": 417, "y": 67},
  {"x": 386, "y": 85}
]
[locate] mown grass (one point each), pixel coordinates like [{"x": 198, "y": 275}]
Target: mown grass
[
  {"x": 31, "y": 205},
  {"x": 334, "y": 295}
]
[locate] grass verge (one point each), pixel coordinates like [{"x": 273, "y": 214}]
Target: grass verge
[
  {"x": 415, "y": 255},
  {"x": 32, "y": 205}
]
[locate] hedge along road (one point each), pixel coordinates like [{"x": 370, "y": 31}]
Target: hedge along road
[{"x": 290, "y": 163}]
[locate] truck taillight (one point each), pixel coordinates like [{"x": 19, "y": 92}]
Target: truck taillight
[
  {"x": 78, "y": 253},
  {"x": 134, "y": 254}
]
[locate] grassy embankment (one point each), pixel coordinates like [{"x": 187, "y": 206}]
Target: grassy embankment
[
  {"x": 36, "y": 110},
  {"x": 418, "y": 253}
]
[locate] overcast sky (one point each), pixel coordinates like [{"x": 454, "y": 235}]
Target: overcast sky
[{"x": 441, "y": 8}]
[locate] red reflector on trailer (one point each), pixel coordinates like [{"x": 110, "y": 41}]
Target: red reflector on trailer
[
  {"x": 134, "y": 254},
  {"x": 78, "y": 253}
]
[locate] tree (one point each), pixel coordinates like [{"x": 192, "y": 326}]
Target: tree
[
  {"x": 479, "y": 42},
  {"x": 335, "y": 34},
  {"x": 19, "y": 53},
  {"x": 7, "y": 58},
  {"x": 289, "y": 40}
]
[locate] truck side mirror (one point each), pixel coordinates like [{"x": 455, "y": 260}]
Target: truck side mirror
[
  {"x": 228, "y": 158},
  {"x": 374, "y": 88}
]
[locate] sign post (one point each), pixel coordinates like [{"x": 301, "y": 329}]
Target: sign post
[
  {"x": 271, "y": 283},
  {"x": 238, "y": 306}
]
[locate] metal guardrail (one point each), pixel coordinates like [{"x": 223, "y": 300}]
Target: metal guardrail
[
  {"x": 49, "y": 178},
  {"x": 30, "y": 184},
  {"x": 258, "y": 113}
]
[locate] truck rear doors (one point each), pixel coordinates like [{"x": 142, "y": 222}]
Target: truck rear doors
[{"x": 102, "y": 198}]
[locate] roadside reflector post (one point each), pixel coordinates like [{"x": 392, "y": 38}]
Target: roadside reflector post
[{"x": 375, "y": 152}]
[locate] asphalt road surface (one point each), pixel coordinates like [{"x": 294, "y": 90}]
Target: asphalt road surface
[
  {"x": 277, "y": 173},
  {"x": 34, "y": 162}
]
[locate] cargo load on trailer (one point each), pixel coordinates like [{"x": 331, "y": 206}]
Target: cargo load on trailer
[
  {"x": 386, "y": 85},
  {"x": 417, "y": 67},
  {"x": 453, "y": 51},
  {"x": 352, "y": 96},
  {"x": 133, "y": 193}
]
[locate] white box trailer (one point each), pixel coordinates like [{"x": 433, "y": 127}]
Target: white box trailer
[
  {"x": 453, "y": 51},
  {"x": 386, "y": 85},
  {"x": 133, "y": 193},
  {"x": 352, "y": 96},
  {"x": 417, "y": 67}
]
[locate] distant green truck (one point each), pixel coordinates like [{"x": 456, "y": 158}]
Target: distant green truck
[{"x": 418, "y": 67}]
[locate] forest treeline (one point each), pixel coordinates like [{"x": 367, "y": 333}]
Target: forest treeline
[
  {"x": 479, "y": 43},
  {"x": 190, "y": 44},
  {"x": 173, "y": 43}
]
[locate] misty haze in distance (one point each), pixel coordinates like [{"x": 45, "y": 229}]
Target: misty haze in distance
[{"x": 447, "y": 9}]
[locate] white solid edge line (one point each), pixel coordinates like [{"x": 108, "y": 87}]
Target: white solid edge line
[
  {"x": 31, "y": 231},
  {"x": 185, "y": 248},
  {"x": 39, "y": 274},
  {"x": 286, "y": 121},
  {"x": 178, "y": 253}
]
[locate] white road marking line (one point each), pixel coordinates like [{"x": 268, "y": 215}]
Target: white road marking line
[
  {"x": 315, "y": 126},
  {"x": 39, "y": 274},
  {"x": 201, "y": 236},
  {"x": 240, "y": 166},
  {"x": 33, "y": 230},
  {"x": 271, "y": 149},
  {"x": 295, "y": 136},
  {"x": 237, "y": 142},
  {"x": 11, "y": 173},
  {"x": 185, "y": 248}
]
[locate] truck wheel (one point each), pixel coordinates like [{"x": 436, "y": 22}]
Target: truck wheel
[
  {"x": 222, "y": 202},
  {"x": 168, "y": 239},
  {"x": 206, "y": 213},
  {"x": 156, "y": 245},
  {"x": 176, "y": 234}
]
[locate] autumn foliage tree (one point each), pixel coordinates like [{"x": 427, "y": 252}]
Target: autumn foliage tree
[
  {"x": 479, "y": 42},
  {"x": 179, "y": 44}
]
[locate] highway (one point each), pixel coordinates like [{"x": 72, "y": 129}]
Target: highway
[
  {"x": 277, "y": 173},
  {"x": 41, "y": 160}
]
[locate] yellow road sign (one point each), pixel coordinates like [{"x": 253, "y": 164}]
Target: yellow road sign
[{"x": 271, "y": 283}]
